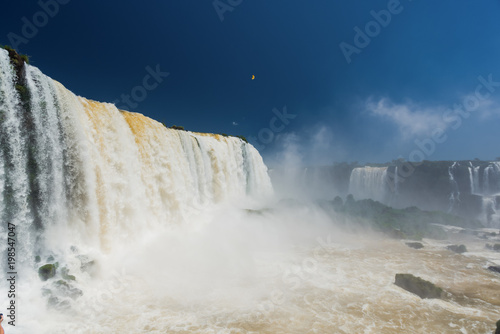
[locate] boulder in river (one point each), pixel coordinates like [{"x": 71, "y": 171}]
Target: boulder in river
[
  {"x": 416, "y": 245},
  {"x": 457, "y": 248},
  {"x": 495, "y": 247},
  {"x": 418, "y": 286},
  {"x": 494, "y": 268}
]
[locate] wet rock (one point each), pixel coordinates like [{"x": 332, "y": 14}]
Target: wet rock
[
  {"x": 457, "y": 248},
  {"x": 396, "y": 234},
  {"x": 494, "y": 268},
  {"x": 58, "y": 304},
  {"x": 498, "y": 327},
  {"x": 418, "y": 286},
  {"x": 47, "y": 271},
  {"x": 416, "y": 245},
  {"x": 65, "y": 274},
  {"x": 68, "y": 290},
  {"x": 495, "y": 247},
  {"x": 52, "y": 301},
  {"x": 87, "y": 265},
  {"x": 469, "y": 232}
]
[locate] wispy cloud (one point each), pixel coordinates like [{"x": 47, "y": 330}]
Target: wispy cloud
[
  {"x": 411, "y": 119},
  {"x": 414, "y": 120},
  {"x": 488, "y": 109}
]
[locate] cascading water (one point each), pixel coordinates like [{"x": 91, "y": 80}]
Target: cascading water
[
  {"x": 88, "y": 173},
  {"x": 455, "y": 191},
  {"x": 369, "y": 182},
  {"x": 474, "y": 179},
  {"x": 487, "y": 186},
  {"x": 113, "y": 166},
  {"x": 396, "y": 181},
  {"x": 492, "y": 179}
]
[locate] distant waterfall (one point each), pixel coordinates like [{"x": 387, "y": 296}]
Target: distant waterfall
[
  {"x": 455, "y": 191},
  {"x": 369, "y": 182},
  {"x": 396, "y": 181},
  {"x": 94, "y": 173},
  {"x": 474, "y": 179},
  {"x": 487, "y": 185},
  {"x": 491, "y": 183}
]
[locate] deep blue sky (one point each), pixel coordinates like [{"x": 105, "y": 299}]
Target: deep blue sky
[{"x": 394, "y": 91}]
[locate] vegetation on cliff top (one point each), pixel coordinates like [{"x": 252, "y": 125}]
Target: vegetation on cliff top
[
  {"x": 24, "y": 58},
  {"x": 181, "y": 128}
]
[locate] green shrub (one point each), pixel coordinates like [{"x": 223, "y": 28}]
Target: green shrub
[
  {"x": 8, "y": 48},
  {"x": 26, "y": 58},
  {"x": 243, "y": 138}
]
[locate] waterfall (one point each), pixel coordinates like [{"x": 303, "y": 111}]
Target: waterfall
[
  {"x": 474, "y": 179},
  {"x": 491, "y": 179},
  {"x": 396, "y": 181},
  {"x": 95, "y": 173},
  {"x": 487, "y": 186},
  {"x": 369, "y": 182},
  {"x": 15, "y": 178},
  {"x": 455, "y": 191},
  {"x": 490, "y": 214}
]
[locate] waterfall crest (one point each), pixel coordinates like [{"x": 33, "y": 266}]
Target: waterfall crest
[{"x": 69, "y": 163}]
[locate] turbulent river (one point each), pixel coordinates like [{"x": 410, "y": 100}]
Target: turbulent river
[{"x": 275, "y": 271}]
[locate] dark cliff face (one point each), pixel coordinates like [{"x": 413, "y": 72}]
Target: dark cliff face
[
  {"x": 457, "y": 187},
  {"x": 449, "y": 186},
  {"x": 428, "y": 187}
]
